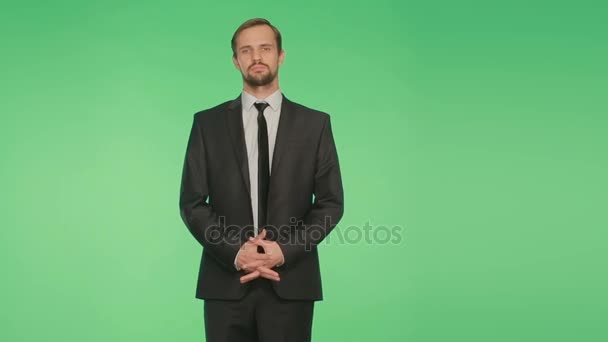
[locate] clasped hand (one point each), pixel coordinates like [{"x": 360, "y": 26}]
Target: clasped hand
[{"x": 259, "y": 264}]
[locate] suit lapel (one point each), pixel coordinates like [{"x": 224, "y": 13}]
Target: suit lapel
[
  {"x": 286, "y": 123},
  {"x": 234, "y": 119}
]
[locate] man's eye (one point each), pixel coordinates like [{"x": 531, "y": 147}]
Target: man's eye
[{"x": 266, "y": 49}]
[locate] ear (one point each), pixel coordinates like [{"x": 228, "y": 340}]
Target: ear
[
  {"x": 281, "y": 57},
  {"x": 235, "y": 61}
]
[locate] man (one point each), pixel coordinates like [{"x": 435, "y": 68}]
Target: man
[{"x": 261, "y": 188}]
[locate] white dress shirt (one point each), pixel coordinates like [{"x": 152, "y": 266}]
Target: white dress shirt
[{"x": 272, "y": 114}]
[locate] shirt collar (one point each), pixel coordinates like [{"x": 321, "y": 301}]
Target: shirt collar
[{"x": 273, "y": 100}]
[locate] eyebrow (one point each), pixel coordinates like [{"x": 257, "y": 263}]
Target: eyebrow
[{"x": 249, "y": 46}]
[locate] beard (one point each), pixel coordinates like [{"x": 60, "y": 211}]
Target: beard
[{"x": 258, "y": 80}]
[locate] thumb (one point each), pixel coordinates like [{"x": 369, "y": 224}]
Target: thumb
[
  {"x": 261, "y": 235},
  {"x": 258, "y": 238},
  {"x": 255, "y": 241}
]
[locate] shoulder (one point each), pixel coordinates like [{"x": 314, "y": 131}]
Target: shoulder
[
  {"x": 213, "y": 113},
  {"x": 310, "y": 114}
]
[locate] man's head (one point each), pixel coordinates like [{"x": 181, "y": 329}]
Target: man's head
[{"x": 257, "y": 52}]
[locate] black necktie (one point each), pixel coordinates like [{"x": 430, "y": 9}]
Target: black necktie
[{"x": 263, "y": 168}]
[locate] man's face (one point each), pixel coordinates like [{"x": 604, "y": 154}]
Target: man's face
[{"x": 257, "y": 55}]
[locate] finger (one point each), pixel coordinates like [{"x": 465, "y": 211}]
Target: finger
[
  {"x": 257, "y": 242},
  {"x": 260, "y": 257},
  {"x": 268, "y": 276},
  {"x": 261, "y": 236},
  {"x": 267, "y": 271},
  {"x": 253, "y": 265},
  {"x": 254, "y": 240},
  {"x": 249, "y": 277}
]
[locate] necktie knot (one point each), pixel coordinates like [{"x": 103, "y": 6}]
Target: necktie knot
[{"x": 261, "y": 106}]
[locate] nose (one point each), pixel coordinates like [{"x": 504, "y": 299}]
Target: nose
[{"x": 256, "y": 55}]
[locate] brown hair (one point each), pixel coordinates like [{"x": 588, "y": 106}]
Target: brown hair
[{"x": 256, "y": 22}]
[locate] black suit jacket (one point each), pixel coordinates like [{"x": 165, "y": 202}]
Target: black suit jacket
[{"x": 305, "y": 199}]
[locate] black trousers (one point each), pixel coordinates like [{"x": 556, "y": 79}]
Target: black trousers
[{"x": 261, "y": 316}]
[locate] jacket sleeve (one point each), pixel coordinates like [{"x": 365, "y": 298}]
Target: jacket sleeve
[
  {"x": 195, "y": 210},
  {"x": 328, "y": 206}
]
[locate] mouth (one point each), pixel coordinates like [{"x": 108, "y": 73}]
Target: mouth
[{"x": 258, "y": 67}]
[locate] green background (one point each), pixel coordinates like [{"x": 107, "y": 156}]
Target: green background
[{"x": 478, "y": 127}]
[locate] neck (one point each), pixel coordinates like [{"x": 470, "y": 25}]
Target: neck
[{"x": 262, "y": 92}]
